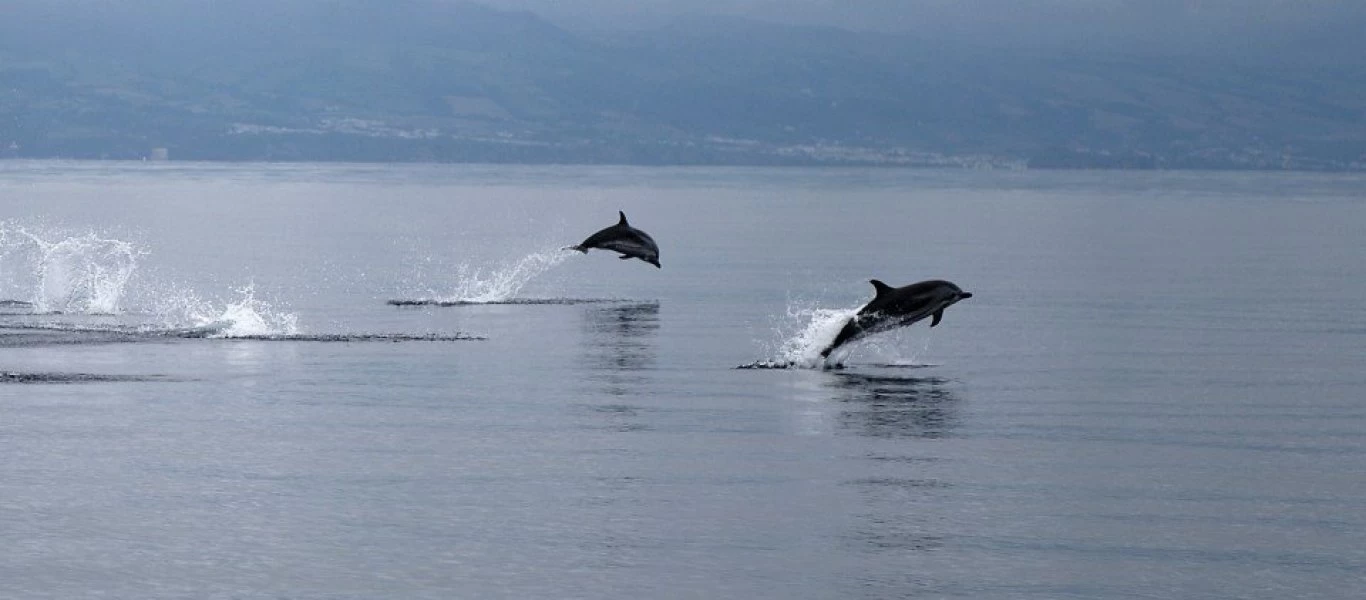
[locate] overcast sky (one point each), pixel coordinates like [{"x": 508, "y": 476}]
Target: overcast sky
[
  {"x": 1239, "y": 23},
  {"x": 1322, "y": 30},
  {"x": 928, "y": 15}
]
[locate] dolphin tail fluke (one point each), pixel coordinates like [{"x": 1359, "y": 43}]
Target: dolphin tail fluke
[
  {"x": 849, "y": 330},
  {"x": 579, "y": 247}
]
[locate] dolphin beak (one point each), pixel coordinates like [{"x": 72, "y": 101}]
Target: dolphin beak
[{"x": 964, "y": 295}]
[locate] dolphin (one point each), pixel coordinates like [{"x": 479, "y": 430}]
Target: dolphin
[
  {"x": 629, "y": 241},
  {"x": 898, "y": 307}
]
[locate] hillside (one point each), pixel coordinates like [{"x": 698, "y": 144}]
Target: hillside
[{"x": 425, "y": 80}]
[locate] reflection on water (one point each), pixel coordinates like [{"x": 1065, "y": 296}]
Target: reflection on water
[
  {"x": 619, "y": 349},
  {"x": 617, "y": 417},
  {"x": 900, "y": 511},
  {"x": 621, "y": 339},
  {"x": 901, "y": 490},
  {"x": 892, "y": 407}
]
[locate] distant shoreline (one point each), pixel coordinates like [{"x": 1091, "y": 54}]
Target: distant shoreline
[{"x": 699, "y": 165}]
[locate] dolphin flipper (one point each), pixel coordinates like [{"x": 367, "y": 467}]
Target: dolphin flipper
[
  {"x": 625, "y": 257},
  {"x": 938, "y": 314}
]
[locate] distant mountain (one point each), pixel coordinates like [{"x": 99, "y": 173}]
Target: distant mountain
[{"x": 431, "y": 80}]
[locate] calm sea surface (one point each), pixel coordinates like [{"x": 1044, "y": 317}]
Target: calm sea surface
[{"x": 1158, "y": 389}]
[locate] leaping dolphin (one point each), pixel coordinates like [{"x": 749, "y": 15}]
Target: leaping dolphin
[
  {"x": 629, "y": 241},
  {"x": 898, "y": 307}
]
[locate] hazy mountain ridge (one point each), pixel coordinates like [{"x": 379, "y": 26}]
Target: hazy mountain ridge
[{"x": 426, "y": 80}]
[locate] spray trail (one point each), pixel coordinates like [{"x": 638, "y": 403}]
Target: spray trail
[{"x": 499, "y": 285}]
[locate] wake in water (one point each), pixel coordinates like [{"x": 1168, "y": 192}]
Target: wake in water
[
  {"x": 16, "y": 336},
  {"x": 31, "y": 378},
  {"x": 808, "y": 329},
  {"x": 526, "y": 301},
  {"x": 15, "y": 307},
  {"x": 363, "y": 337},
  {"x": 475, "y": 286}
]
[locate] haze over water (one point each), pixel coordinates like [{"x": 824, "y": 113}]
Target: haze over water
[{"x": 1155, "y": 391}]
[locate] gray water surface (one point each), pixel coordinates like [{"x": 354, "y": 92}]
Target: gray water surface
[{"x": 1155, "y": 392}]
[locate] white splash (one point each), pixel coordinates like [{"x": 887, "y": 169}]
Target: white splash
[
  {"x": 803, "y": 348},
  {"x": 250, "y": 316},
  {"x": 247, "y": 316},
  {"x": 808, "y": 329},
  {"x": 477, "y": 286},
  {"x": 89, "y": 274},
  {"x": 84, "y": 274}
]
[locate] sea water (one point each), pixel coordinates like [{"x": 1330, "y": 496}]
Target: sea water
[{"x": 361, "y": 381}]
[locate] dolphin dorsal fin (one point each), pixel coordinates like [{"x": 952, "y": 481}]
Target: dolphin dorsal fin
[
  {"x": 623, "y": 218},
  {"x": 879, "y": 287}
]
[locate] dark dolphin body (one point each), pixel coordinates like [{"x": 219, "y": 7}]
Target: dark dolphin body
[
  {"x": 629, "y": 241},
  {"x": 898, "y": 307}
]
